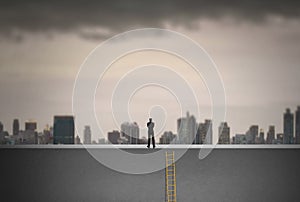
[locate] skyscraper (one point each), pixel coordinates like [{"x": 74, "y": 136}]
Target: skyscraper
[
  {"x": 131, "y": 132},
  {"x": 297, "y": 114},
  {"x": 224, "y": 133},
  {"x": 113, "y": 137},
  {"x": 251, "y": 134},
  {"x": 1, "y": 127},
  {"x": 200, "y": 133},
  {"x": 204, "y": 133},
  {"x": 16, "y": 127},
  {"x": 288, "y": 127},
  {"x": 63, "y": 130},
  {"x": 186, "y": 129},
  {"x": 87, "y": 139},
  {"x": 271, "y": 135},
  {"x": 261, "y": 137}
]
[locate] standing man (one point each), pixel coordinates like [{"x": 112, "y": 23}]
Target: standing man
[{"x": 150, "y": 126}]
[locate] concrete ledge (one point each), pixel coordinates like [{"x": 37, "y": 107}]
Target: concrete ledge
[{"x": 181, "y": 146}]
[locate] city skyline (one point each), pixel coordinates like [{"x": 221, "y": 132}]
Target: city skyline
[{"x": 189, "y": 131}]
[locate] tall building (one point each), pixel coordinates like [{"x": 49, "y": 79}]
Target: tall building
[
  {"x": 2, "y": 134},
  {"x": 113, "y": 137},
  {"x": 131, "y": 132},
  {"x": 204, "y": 133},
  {"x": 186, "y": 129},
  {"x": 288, "y": 127},
  {"x": 31, "y": 125},
  {"x": 1, "y": 127},
  {"x": 87, "y": 135},
  {"x": 261, "y": 137},
  {"x": 224, "y": 133},
  {"x": 63, "y": 130},
  {"x": 271, "y": 135},
  {"x": 209, "y": 132},
  {"x": 200, "y": 134},
  {"x": 251, "y": 134},
  {"x": 297, "y": 123},
  {"x": 16, "y": 127},
  {"x": 206, "y": 137}
]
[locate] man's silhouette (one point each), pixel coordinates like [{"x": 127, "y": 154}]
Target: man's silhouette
[{"x": 150, "y": 126}]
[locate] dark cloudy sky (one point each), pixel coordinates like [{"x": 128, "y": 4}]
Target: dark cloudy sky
[{"x": 255, "y": 44}]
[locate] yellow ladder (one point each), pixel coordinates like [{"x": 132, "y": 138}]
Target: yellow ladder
[{"x": 170, "y": 177}]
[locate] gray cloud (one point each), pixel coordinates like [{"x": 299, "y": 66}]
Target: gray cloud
[{"x": 18, "y": 16}]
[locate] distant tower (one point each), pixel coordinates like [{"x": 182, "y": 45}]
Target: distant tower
[
  {"x": 135, "y": 133},
  {"x": 224, "y": 133},
  {"x": 63, "y": 130},
  {"x": 1, "y": 127},
  {"x": 251, "y": 134},
  {"x": 201, "y": 134},
  {"x": 288, "y": 127},
  {"x": 16, "y": 127},
  {"x": 261, "y": 137},
  {"x": 208, "y": 132},
  {"x": 187, "y": 129},
  {"x": 297, "y": 114},
  {"x": 131, "y": 132},
  {"x": 87, "y": 139},
  {"x": 271, "y": 135},
  {"x": 113, "y": 137}
]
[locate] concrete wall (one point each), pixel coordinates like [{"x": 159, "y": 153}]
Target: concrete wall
[{"x": 225, "y": 175}]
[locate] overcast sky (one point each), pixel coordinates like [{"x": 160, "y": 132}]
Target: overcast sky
[{"x": 255, "y": 44}]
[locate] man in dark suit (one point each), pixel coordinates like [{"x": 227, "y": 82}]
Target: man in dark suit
[{"x": 150, "y": 126}]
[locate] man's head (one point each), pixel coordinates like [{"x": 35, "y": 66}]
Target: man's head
[{"x": 150, "y": 119}]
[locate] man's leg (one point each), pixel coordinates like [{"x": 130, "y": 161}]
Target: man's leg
[
  {"x": 153, "y": 141},
  {"x": 148, "y": 142}
]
